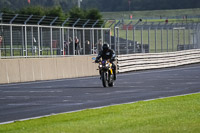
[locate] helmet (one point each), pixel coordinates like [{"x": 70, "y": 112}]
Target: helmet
[{"x": 105, "y": 47}]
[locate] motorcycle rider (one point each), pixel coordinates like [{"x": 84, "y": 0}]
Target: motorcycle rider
[{"x": 107, "y": 54}]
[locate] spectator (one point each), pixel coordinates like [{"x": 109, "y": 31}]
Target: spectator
[
  {"x": 87, "y": 47},
  {"x": 99, "y": 45},
  {"x": 67, "y": 46},
  {"x": 70, "y": 43},
  {"x": 77, "y": 47}
]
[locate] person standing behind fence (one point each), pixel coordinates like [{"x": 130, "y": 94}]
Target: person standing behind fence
[
  {"x": 87, "y": 47},
  {"x": 77, "y": 47},
  {"x": 99, "y": 45},
  {"x": 67, "y": 45}
]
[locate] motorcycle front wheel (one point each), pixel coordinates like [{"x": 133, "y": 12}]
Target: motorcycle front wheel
[{"x": 104, "y": 79}]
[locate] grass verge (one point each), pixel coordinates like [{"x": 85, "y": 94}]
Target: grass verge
[{"x": 175, "y": 114}]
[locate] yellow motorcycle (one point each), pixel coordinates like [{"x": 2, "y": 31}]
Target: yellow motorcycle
[{"x": 106, "y": 73}]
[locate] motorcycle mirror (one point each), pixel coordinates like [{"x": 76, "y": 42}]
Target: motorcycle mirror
[{"x": 93, "y": 58}]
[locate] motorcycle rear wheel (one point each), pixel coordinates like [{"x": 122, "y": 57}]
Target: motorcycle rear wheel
[{"x": 111, "y": 82}]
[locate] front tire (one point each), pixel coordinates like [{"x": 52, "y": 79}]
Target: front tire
[{"x": 104, "y": 79}]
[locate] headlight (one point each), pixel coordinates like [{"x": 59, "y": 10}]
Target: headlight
[{"x": 100, "y": 65}]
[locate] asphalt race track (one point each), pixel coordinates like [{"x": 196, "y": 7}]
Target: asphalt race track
[{"x": 33, "y": 99}]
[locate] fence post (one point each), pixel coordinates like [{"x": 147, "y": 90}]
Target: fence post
[
  {"x": 115, "y": 38},
  {"x": 83, "y": 41},
  {"x": 51, "y": 36},
  {"x": 149, "y": 38},
  {"x": 127, "y": 40},
  {"x": 167, "y": 38},
  {"x": 172, "y": 38},
  {"x": 38, "y": 40},
  {"x": 32, "y": 47},
  {"x": 62, "y": 49},
  {"x": 102, "y": 38},
  {"x": 25, "y": 37},
  {"x": 142, "y": 47},
  {"x": 127, "y": 30},
  {"x": 189, "y": 36},
  {"x": 162, "y": 39},
  {"x": 198, "y": 35},
  {"x": 63, "y": 40},
  {"x": 134, "y": 39},
  {"x": 193, "y": 35},
  {"x": 84, "y": 35},
  {"x": 155, "y": 39},
  {"x": 73, "y": 40},
  {"x": 11, "y": 42},
  {"x": 184, "y": 40},
  {"x": 118, "y": 41},
  {"x": 178, "y": 36},
  {"x": 110, "y": 37},
  {"x": 40, "y": 33}
]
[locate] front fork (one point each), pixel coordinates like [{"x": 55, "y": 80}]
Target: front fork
[{"x": 109, "y": 74}]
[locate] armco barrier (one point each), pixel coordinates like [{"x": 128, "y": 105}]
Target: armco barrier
[
  {"x": 33, "y": 69},
  {"x": 133, "y": 62}
]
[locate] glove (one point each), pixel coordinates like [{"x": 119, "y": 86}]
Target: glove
[
  {"x": 96, "y": 61},
  {"x": 112, "y": 59}
]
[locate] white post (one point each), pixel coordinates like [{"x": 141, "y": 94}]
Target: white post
[{"x": 79, "y": 3}]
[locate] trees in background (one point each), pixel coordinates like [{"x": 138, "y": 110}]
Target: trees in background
[
  {"x": 57, "y": 11},
  {"x": 104, "y": 5}
]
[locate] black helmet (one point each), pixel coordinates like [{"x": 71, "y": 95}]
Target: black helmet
[{"x": 105, "y": 47}]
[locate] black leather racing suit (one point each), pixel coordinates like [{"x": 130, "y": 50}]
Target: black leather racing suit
[{"x": 105, "y": 55}]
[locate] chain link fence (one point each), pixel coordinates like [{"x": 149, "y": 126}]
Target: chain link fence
[
  {"x": 154, "y": 37},
  {"x": 36, "y": 40},
  {"x": 25, "y": 40}
]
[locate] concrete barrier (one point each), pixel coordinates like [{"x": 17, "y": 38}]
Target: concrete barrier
[{"x": 33, "y": 69}]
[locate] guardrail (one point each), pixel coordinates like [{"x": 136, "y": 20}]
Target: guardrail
[{"x": 133, "y": 62}]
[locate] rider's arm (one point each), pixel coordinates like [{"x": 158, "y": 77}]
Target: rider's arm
[
  {"x": 113, "y": 56},
  {"x": 99, "y": 55}
]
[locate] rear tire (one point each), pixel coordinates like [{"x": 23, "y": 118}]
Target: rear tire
[{"x": 111, "y": 82}]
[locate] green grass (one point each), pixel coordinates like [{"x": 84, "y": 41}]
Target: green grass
[{"x": 169, "y": 115}]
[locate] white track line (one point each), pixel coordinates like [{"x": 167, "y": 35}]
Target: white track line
[{"x": 32, "y": 118}]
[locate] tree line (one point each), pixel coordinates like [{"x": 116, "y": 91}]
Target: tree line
[
  {"x": 56, "y": 11},
  {"x": 104, "y": 5}
]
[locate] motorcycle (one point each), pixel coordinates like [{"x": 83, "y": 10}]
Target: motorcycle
[{"x": 106, "y": 72}]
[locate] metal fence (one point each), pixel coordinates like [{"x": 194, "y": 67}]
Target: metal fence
[
  {"x": 26, "y": 40},
  {"x": 154, "y": 37},
  {"x": 36, "y": 40}
]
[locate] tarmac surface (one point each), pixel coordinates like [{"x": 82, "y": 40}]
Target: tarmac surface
[{"x": 34, "y": 99}]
